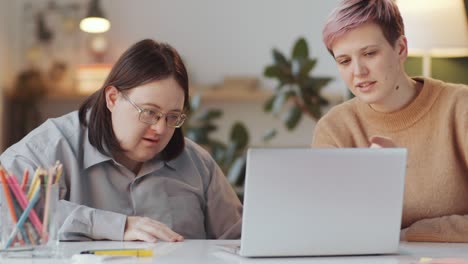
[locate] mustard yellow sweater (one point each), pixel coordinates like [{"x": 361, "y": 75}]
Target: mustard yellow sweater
[{"x": 434, "y": 129}]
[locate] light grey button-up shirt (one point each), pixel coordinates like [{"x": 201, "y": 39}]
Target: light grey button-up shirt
[{"x": 190, "y": 193}]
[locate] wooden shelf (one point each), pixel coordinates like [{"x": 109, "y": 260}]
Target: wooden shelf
[
  {"x": 233, "y": 94},
  {"x": 224, "y": 94},
  {"x": 66, "y": 96}
]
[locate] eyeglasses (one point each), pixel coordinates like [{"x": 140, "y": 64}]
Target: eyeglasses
[{"x": 151, "y": 117}]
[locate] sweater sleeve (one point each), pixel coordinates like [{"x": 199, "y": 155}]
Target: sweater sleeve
[
  {"x": 453, "y": 228},
  {"x": 321, "y": 137},
  {"x": 465, "y": 142}
]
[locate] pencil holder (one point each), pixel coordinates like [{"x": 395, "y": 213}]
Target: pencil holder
[{"x": 28, "y": 224}]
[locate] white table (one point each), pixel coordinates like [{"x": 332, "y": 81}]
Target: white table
[{"x": 208, "y": 251}]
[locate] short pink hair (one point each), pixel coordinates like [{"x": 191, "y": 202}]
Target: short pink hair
[{"x": 351, "y": 14}]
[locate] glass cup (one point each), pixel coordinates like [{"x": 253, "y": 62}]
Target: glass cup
[{"x": 28, "y": 224}]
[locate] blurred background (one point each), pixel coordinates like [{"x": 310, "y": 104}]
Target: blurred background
[{"x": 233, "y": 51}]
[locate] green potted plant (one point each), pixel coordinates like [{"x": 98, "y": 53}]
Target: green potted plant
[
  {"x": 297, "y": 89},
  {"x": 295, "y": 84},
  {"x": 230, "y": 156}
]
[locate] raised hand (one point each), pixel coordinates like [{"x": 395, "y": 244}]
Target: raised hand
[{"x": 381, "y": 142}]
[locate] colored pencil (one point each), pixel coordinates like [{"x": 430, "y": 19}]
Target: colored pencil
[
  {"x": 18, "y": 211},
  {"x": 45, "y": 218},
  {"x": 59, "y": 172},
  {"x": 29, "y": 231},
  {"x": 25, "y": 180},
  {"x": 34, "y": 183},
  {"x": 23, "y": 217},
  {"x": 7, "y": 194},
  {"x": 23, "y": 201}
]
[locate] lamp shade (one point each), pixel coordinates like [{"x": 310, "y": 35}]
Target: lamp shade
[
  {"x": 436, "y": 27},
  {"x": 95, "y": 21}
]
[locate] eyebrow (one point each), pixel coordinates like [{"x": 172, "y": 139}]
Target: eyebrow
[{"x": 360, "y": 50}]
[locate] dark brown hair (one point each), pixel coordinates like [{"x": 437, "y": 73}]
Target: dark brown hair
[{"x": 144, "y": 62}]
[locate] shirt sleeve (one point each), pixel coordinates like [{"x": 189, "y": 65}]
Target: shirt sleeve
[
  {"x": 78, "y": 222},
  {"x": 453, "y": 228},
  {"x": 74, "y": 221},
  {"x": 223, "y": 210}
]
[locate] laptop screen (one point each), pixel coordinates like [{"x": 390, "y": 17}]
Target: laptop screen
[{"x": 305, "y": 201}]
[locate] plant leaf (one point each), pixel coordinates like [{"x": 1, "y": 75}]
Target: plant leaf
[
  {"x": 300, "y": 49},
  {"x": 278, "y": 102},
  {"x": 279, "y": 58},
  {"x": 293, "y": 117},
  {"x": 198, "y": 135},
  {"x": 269, "y": 134},
  {"x": 218, "y": 150},
  {"x": 239, "y": 135},
  {"x": 208, "y": 128},
  {"x": 316, "y": 84},
  {"x": 208, "y": 115},
  {"x": 268, "y": 106},
  {"x": 272, "y": 71},
  {"x": 280, "y": 72},
  {"x": 230, "y": 152},
  {"x": 307, "y": 66},
  {"x": 237, "y": 170},
  {"x": 281, "y": 98},
  {"x": 323, "y": 101},
  {"x": 317, "y": 111}
]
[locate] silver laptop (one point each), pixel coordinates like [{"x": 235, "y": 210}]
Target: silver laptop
[{"x": 311, "y": 202}]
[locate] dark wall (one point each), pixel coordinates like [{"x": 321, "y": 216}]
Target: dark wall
[
  {"x": 453, "y": 70},
  {"x": 447, "y": 69},
  {"x": 466, "y": 7}
]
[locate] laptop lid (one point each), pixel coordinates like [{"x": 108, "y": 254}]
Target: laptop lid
[{"x": 307, "y": 202}]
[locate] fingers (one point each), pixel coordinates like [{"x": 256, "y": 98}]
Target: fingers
[
  {"x": 144, "y": 236},
  {"x": 381, "y": 142},
  {"x": 160, "y": 230},
  {"x": 134, "y": 232},
  {"x": 149, "y": 230}
]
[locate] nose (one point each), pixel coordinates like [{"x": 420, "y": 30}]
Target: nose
[
  {"x": 160, "y": 126},
  {"x": 359, "y": 68}
]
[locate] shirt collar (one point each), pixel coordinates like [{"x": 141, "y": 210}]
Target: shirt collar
[
  {"x": 172, "y": 163},
  {"x": 91, "y": 156},
  {"x": 155, "y": 164}
]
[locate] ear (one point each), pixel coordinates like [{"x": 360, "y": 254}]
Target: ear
[
  {"x": 112, "y": 95},
  {"x": 401, "y": 46}
]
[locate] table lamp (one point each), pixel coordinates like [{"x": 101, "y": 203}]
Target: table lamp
[{"x": 435, "y": 29}]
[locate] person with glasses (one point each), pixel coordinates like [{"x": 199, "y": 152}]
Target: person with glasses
[
  {"x": 429, "y": 117},
  {"x": 129, "y": 173}
]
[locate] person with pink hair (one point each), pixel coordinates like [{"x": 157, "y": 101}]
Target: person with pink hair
[{"x": 390, "y": 109}]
